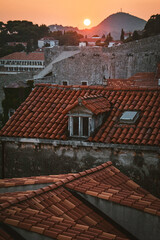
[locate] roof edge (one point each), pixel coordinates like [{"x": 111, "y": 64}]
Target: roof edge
[{"x": 77, "y": 143}]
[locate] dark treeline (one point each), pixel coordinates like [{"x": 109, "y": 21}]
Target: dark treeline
[
  {"x": 69, "y": 38},
  {"x": 151, "y": 28},
  {"x": 25, "y": 31},
  {"x": 20, "y": 31}
]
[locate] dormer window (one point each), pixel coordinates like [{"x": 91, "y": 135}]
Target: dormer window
[
  {"x": 129, "y": 117},
  {"x": 79, "y": 126},
  {"x": 86, "y": 115}
]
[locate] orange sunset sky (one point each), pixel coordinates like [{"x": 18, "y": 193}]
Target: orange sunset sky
[{"x": 73, "y": 12}]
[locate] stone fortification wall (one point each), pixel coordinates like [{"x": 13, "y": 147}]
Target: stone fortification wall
[
  {"x": 133, "y": 57},
  {"x": 90, "y": 65},
  {"x": 93, "y": 64},
  {"x": 51, "y": 53}
]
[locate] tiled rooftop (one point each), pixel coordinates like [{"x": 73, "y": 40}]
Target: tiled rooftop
[
  {"x": 43, "y": 114},
  {"x": 105, "y": 182},
  {"x": 138, "y": 80},
  {"x": 7, "y": 182},
  {"x": 55, "y": 212},
  {"x": 24, "y": 56},
  {"x": 95, "y": 103}
]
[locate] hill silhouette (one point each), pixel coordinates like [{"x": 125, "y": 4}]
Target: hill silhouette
[{"x": 114, "y": 23}]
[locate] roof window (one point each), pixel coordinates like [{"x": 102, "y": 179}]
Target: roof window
[{"x": 129, "y": 117}]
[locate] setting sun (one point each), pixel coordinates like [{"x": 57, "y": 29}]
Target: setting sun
[{"x": 87, "y": 22}]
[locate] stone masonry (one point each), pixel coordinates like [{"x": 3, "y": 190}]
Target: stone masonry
[{"x": 93, "y": 64}]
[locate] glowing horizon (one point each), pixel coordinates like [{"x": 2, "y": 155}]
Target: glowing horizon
[{"x": 71, "y": 13}]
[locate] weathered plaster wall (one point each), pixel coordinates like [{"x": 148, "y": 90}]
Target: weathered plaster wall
[
  {"x": 29, "y": 159},
  {"x": 93, "y": 64}
]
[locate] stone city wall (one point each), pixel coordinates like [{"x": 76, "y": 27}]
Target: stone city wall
[{"x": 93, "y": 64}]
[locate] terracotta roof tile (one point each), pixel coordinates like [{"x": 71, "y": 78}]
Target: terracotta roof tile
[
  {"x": 48, "y": 119},
  {"x": 53, "y": 213},
  {"x": 24, "y": 56}
]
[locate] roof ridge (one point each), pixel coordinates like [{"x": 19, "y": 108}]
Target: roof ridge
[
  {"x": 58, "y": 184},
  {"x": 98, "y": 87}
]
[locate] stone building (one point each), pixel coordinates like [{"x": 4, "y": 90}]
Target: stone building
[
  {"x": 50, "y": 41},
  {"x": 91, "y": 65},
  {"x": 21, "y": 62},
  {"x": 60, "y": 129}
]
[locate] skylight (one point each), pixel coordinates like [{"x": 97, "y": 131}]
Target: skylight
[{"x": 129, "y": 116}]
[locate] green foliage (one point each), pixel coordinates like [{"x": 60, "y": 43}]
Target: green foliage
[
  {"x": 69, "y": 38},
  {"x": 109, "y": 38},
  {"x": 151, "y": 28},
  {"x": 122, "y": 35},
  {"x": 153, "y": 25},
  {"x": 135, "y": 36},
  {"x": 20, "y": 31},
  {"x": 10, "y": 49}
]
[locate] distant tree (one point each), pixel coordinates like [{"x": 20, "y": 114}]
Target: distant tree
[
  {"x": 70, "y": 38},
  {"x": 135, "y": 36},
  {"x": 29, "y": 46},
  {"x": 122, "y": 35},
  {"x": 43, "y": 30},
  {"x": 152, "y": 27},
  {"x": 21, "y": 31},
  {"x": 56, "y": 34},
  {"x": 109, "y": 38}
]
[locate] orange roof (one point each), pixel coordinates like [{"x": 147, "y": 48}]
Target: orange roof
[
  {"x": 24, "y": 56},
  {"x": 104, "y": 181},
  {"x": 139, "y": 80},
  {"x": 107, "y": 182},
  {"x": 42, "y": 114},
  {"x": 55, "y": 212},
  {"x": 95, "y": 103}
]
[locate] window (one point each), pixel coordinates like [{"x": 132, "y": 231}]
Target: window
[
  {"x": 84, "y": 83},
  {"x": 85, "y": 126},
  {"x": 129, "y": 117},
  {"x": 79, "y": 126},
  {"x": 65, "y": 83},
  {"x": 76, "y": 126}
]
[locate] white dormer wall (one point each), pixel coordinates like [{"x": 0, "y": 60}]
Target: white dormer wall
[{"x": 94, "y": 121}]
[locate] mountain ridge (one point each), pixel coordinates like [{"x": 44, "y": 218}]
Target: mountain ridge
[{"x": 113, "y": 24}]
